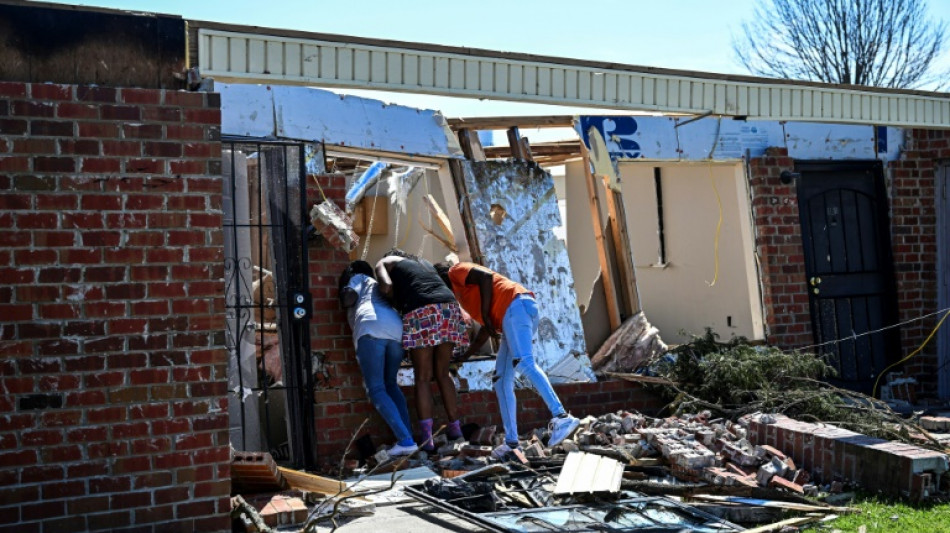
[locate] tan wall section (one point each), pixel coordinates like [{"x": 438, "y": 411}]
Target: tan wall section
[{"x": 680, "y": 296}]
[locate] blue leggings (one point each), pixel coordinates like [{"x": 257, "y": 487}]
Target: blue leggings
[{"x": 379, "y": 361}]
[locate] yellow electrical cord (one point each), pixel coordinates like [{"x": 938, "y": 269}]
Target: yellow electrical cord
[
  {"x": 712, "y": 182},
  {"x": 915, "y": 352}
]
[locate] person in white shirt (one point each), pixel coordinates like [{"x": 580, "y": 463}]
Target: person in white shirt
[{"x": 377, "y": 333}]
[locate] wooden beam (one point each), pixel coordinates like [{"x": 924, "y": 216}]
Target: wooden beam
[
  {"x": 613, "y": 311},
  {"x": 471, "y": 146},
  {"x": 516, "y": 146},
  {"x": 503, "y": 123},
  {"x": 457, "y": 169},
  {"x": 539, "y": 150},
  {"x": 604, "y": 167}
]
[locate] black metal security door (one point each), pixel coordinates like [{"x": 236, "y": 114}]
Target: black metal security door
[
  {"x": 268, "y": 307},
  {"x": 849, "y": 267}
]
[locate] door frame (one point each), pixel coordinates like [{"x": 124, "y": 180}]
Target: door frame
[
  {"x": 942, "y": 201},
  {"x": 887, "y": 272}
]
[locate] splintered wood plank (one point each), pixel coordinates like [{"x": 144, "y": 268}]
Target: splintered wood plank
[
  {"x": 613, "y": 305},
  {"x": 314, "y": 483}
]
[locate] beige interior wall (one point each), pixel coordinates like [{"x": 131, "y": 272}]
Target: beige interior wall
[{"x": 680, "y": 295}]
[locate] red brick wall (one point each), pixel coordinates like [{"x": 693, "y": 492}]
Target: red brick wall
[
  {"x": 912, "y": 189},
  {"x": 341, "y": 403},
  {"x": 778, "y": 241},
  {"x": 113, "y": 411}
]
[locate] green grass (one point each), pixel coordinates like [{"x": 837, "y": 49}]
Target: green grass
[{"x": 880, "y": 515}]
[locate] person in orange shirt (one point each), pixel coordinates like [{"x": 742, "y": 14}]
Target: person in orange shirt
[{"x": 502, "y": 306}]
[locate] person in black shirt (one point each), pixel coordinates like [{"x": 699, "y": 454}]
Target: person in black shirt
[{"x": 433, "y": 329}]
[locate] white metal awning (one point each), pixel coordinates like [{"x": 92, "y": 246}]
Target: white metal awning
[{"x": 260, "y": 55}]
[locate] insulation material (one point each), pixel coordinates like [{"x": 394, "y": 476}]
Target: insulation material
[
  {"x": 524, "y": 248},
  {"x": 635, "y": 137},
  {"x": 317, "y": 115}
]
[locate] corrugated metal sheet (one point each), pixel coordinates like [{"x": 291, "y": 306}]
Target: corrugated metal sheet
[
  {"x": 588, "y": 473},
  {"x": 413, "y": 67}
]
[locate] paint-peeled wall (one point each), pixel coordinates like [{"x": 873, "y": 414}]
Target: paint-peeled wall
[{"x": 518, "y": 242}]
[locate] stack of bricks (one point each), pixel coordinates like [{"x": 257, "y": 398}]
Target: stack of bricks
[
  {"x": 113, "y": 372},
  {"x": 778, "y": 241},
  {"x": 832, "y": 454},
  {"x": 914, "y": 243}
]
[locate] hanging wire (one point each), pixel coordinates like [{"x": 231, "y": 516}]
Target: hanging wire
[
  {"x": 872, "y": 332},
  {"x": 912, "y": 354}
]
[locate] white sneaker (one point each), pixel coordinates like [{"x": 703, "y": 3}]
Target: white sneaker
[
  {"x": 397, "y": 450},
  {"x": 561, "y": 428}
]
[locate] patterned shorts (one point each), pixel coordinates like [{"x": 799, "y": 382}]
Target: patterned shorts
[{"x": 434, "y": 324}]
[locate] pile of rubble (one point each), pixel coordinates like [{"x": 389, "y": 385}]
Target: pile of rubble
[{"x": 694, "y": 471}]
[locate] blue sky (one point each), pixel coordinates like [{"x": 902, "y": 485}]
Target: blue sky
[{"x": 679, "y": 34}]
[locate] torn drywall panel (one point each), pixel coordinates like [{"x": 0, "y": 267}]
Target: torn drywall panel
[
  {"x": 523, "y": 247},
  {"x": 681, "y": 138}
]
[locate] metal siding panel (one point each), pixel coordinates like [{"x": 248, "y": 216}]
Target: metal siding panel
[
  {"x": 251, "y": 57},
  {"x": 796, "y": 104},
  {"x": 256, "y": 62},
  {"x": 394, "y": 70},
  {"x": 570, "y": 84},
  {"x": 557, "y": 82},
  {"x": 442, "y": 72},
  {"x": 673, "y": 94},
  {"x": 220, "y": 59},
  {"x": 456, "y": 73},
  {"x": 516, "y": 79},
  {"x": 530, "y": 85},
  {"x": 637, "y": 94},
  {"x": 292, "y": 60},
  {"x": 362, "y": 65},
  {"x": 427, "y": 71},
  {"x": 472, "y": 75},
  {"x": 501, "y": 77},
  {"x": 585, "y": 84},
  {"x": 610, "y": 87},
  {"x": 377, "y": 67},
  {"x": 486, "y": 78},
  {"x": 544, "y": 81},
  {"x": 344, "y": 64},
  {"x": 623, "y": 89},
  {"x": 275, "y": 58},
  {"x": 311, "y": 61},
  {"x": 410, "y": 69}
]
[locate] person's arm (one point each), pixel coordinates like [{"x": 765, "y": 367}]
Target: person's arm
[
  {"x": 480, "y": 338},
  {"x": 382, "y": 274},
  {"x": 483, "y": 279}
]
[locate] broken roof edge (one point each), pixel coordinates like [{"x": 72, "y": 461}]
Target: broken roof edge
[
  {"x": 348, "y": 122},
  {"x": 536, "y": 58}
]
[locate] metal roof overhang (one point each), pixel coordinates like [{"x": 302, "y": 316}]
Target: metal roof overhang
[{"x": 248, "y": 54}]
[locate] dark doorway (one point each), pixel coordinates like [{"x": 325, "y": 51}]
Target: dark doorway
[
  {"x": 849, "y": 268},
  {"x": 267, "y": 299}
]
